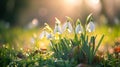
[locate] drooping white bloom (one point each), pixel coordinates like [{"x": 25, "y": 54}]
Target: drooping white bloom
[
  {"x": 67, "y": 26},
  {"x": 57, "y": 28},
  {"x": 79, "y": 29},
  {"x": 90, "y": 27},
  {"x": 45, "y": 34}
]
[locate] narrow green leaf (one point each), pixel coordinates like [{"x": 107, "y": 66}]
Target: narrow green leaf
[
  {"x": 89, "y": 18},
  {"x": 78, "y": 22},
  {"x": 98, "y": 44}
]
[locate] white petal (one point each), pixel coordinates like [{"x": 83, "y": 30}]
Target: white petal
[
  {"x": 79, "y": 29},
  {"x": 68, "y": 26},
  {"x": 44, "y": 34},
  {"x": 57, "y": 26},
  {"x": 49, "y": 36},
  {"x": 57, "y": 29},
  {"x": 90, "y": 27},
  {"x": 64, "y": 26}
]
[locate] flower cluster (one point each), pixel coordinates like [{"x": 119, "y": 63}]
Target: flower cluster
[{"x": 67, "y": 26}]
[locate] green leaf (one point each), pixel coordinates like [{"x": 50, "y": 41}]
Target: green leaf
[
  {"x": 89, "y": 18},
  {"x": 98, "y": 45},
  {"x": 69, "y": 19},
  {"x": 78, "y": 22},
  {"x": 57, "y": 20}
]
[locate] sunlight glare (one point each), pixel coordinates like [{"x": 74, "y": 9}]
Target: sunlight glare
[
  {"x": 71, "y": 2},
  {"x": 95, "y": 1},
  {"x": 94, "y": 5},
  {"x": 70, "y": 5}
]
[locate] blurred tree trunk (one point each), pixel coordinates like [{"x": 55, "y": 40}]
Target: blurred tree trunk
[
  {"x": 9, "y": 10},
  {"x": 108, "y": 10}
]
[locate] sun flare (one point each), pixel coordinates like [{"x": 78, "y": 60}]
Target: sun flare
[{"x": 71, "y": 2}]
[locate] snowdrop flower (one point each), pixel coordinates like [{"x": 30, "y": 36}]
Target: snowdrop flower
[
  {"x": 45, "y": 34},
  {"x": 67, "y": 26},
  {"x": 57, "y": 28},
  {"x": 79, "y": 29},
  {"x": 90, "y": 27}
]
